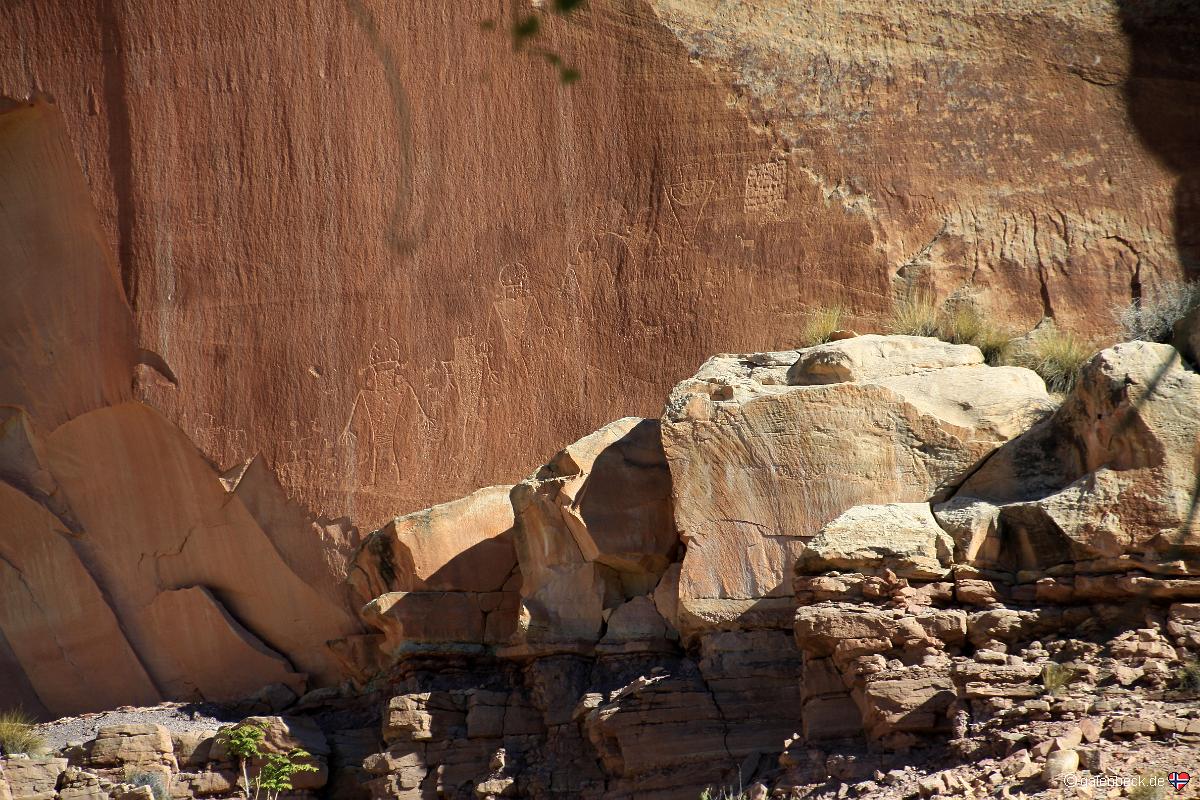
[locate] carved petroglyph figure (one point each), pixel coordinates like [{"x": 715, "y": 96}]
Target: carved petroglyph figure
[
  {"x": 370, "y": 433},
  {"x": 688, "y": 196}
]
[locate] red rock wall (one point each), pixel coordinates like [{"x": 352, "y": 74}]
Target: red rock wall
[{"x": 368, "y": 241}]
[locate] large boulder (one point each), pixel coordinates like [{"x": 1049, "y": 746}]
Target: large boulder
[
  {"x": 863, "y": 358},
  {"x": 464, "y": 545},
  {"x": 901, "y": 537},
  {"x": 1112, "y": 472},
  {"x": 759, "y": 467},
  {"x": 445, "y": 575},
  {"x": 32, "y": 778},
  {"x": 594, "y": 529}
]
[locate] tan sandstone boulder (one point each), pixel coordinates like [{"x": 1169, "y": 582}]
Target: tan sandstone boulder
[
  {"x": 442, "y": 575},
  {"x": 464, "y": 545},
  {"x": 1113, "y": 472},
  {"x": 901, "y": 537},
  {"x": 133, "y": 745},
  {"x": 594, "y": 528},
  {"x": 864, "y": 358},
  {"x": 32, "y": 778},
  {"x": 759, "y": 468}
]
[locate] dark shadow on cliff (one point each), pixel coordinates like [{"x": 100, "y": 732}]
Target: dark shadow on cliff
[
  {"x": 1162, "y": 96},
  {"x": 406, "y": 227}
]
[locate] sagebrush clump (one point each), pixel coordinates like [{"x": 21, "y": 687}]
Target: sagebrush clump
[
  {"x": 1057, "y": 677},
  {"x": 1152, "y": 318},
  {"x": 158, "y": 786},
  {"x": 1187, "y": 677},
  {"x": 18, "y": 735}
]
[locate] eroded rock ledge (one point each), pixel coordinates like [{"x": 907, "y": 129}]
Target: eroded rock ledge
[{"x": 820, "y": 566}]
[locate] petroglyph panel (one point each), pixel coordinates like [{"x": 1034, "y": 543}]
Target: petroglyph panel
[
  {"x": 400, "y": 271},
  {"x": 766, "y": 188}
]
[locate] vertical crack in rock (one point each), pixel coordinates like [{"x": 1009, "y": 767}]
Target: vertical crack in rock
[{"x": 120, "y": 137}]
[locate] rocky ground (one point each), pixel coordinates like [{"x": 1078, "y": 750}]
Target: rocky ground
[{"x": 175, "y": 717}]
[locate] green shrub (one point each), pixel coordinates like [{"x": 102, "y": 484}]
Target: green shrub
[
  {"x": 244, "y": 742},
  {"x": 17, "y": 734},
  {"x": 916, "y": 315},
  {"x": 820, "y": 324},
  {"x": 1187, "y": 677},
  {"x": 158, "y": 786},
  {"x": 1057, "y": 677},
  {"x": 276, "y": 775},
  {"x": 1057, "y": 357},
  {"x": 1153, "y": 317}
]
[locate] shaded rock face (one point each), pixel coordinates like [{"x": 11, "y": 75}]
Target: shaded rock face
[
  {"x": 754, "y": 159},
  {"x": 445, "y": 575},
  {"x": 130, "y": 570}
]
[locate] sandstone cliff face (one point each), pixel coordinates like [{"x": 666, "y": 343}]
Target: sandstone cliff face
[
  {"x": 596, "y": 632},
  {"x": 364, "y": 236},
  {"x": 322, "y": 308},
  {"x": 131, "y": 572}
]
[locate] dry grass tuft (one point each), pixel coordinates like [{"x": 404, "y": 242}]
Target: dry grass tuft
[
  {"x": 967, "y": 325},
  {"x": 914, "y": 316},
  {"x": 821, "y": 322},
  {"x": 17, "y": 734},
  {"x": 1057, "y": 357}
]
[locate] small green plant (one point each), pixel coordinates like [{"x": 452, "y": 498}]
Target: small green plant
[
  {"x": 1187, "y": 677},
  {"x": 244, "y": 742},
  {"x": 820, "y": 324},
  {"x": 1057, "y": 357},
  {"x": 1057, "y": 677},
  {"x": 1152, "y": 318},
  {"x": 276, "y": 774},
  {"x": 18, "y": 735},
  {"x": 158, "y": 786},
  {"x": 915, "y": 315}
]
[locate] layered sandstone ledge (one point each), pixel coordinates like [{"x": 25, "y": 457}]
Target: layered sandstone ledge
[{"x": 820, "y": 567}]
